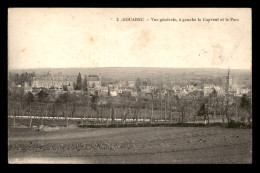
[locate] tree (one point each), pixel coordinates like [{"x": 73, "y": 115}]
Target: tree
[
  {"x": 73, "y": 109},
  {"x": 20, "y": 80},
  {"x": 65, "y": 88},
  {"x": 33, "y": 74},
  {"x": 74, "y": 86},
  {"x": 79, "y": 82},
  {"x": 93, "y": 85},
  {"x": 112, "y": 114},
  {"x": 137, "y": 84},
  {"x": 183, "y": 104},
  {"x": 245, "y": 102},
  {"x": 65, "y": 114},
  {"x": 202, "y": 111},
  {"x": 63, "y": 98},
  {"x": 85, "y": 84},
  {"x": 245, "y": 105},
  {"x": 152, "y": 107},
  {"x": 29, "y": 98},
  {"x": 108, "y": 93},
  {"x": 227, "y": 109},
  {"x": 10, "y": 94},
  {"x": 17, "y": 80},
  {"x": 221, "y": 102},
  {"x": 137, "y": 109},
  {"x": 94, "y": 100},
  {"x": 213, "y": 93},
  {"x": 42, "y": 96},
  {"x": 126, "y": 112}
]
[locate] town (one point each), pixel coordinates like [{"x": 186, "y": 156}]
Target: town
[{"x": 86, "y": 96}]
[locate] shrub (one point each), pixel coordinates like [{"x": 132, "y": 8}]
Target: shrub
[{"x": 233, "y": 124}]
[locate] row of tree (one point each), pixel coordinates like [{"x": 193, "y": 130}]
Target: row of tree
[
  {"x": 132, "y": 108},
  {"x": 21, "y": 79},
  {"x": 167, "y": 105}
]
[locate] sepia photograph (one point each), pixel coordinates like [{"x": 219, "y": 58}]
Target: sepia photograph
[{"x": 129, "y": 86}]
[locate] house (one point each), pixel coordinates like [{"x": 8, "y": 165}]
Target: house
[
  {"x": 191, "y": 95},
  {"x": 113, "y": 93},
  {"x": 207, "y": 89},
  {"x": 220, "y": 92},
  {"x": 58, "y": 91},
  {"x": 147, "y": 89},
  {"x": 27, "y": 89},
  {"x": 102, "y": 91},
  {"x": 131, "y": 84},
  {"x": 240, "y": 92},
  {"x": 93, "y": 81},
  {"x": 16, "y": 89},
  {"x": 70, "y": 89},
  {"x": 122, "y": 84},
  {"x": 122, "y": 89},
  {"x": 182, "y": 94},
  {"x": 51, "y": 91},
  {"x": 126, "y": 93},
  {"x": 37, "y": 90},
  {"x": 113, "y": 86},
  {"x": 176, "y": 88},
  {"x": 134, "y": 93},
  {"x": 26, "y": 84},
  {"x": 92, "y": 91},
  {"x": 142, "y": 94},
  {"x": 77, "y": 92}
]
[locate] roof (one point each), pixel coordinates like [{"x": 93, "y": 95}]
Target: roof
[
  {"x": 131, "y": 82},
  {"x": 93, "y": 78},
  {"x": 93, "y": 75},
  {"x": 27, "y": 88},
  {"x": 134, "y": 90},
  {"x": 55, "y": 78},
  {"x": 102, "y": 88}
]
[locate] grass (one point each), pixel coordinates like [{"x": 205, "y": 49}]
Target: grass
[
  {"x": 99, "y": 124},
  {"x": 147, "y": 124}
]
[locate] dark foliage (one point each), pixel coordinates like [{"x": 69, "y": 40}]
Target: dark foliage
[
  {"x": 42, "y": 96},
  {"x": 63, "y": 98},
  {"x": 29, "y": 98},
  {"x": 202, "y": 111}
]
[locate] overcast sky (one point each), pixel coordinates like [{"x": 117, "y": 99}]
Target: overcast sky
[{"x": 56, "y": 37}]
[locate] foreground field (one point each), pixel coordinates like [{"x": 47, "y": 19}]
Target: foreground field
[{"x": 131, "y": 145}]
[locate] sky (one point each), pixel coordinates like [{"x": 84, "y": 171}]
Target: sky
[{"x": 89, "y": 37}]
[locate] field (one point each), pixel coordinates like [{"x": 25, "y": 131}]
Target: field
[{"x": 141, "y": 145}]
